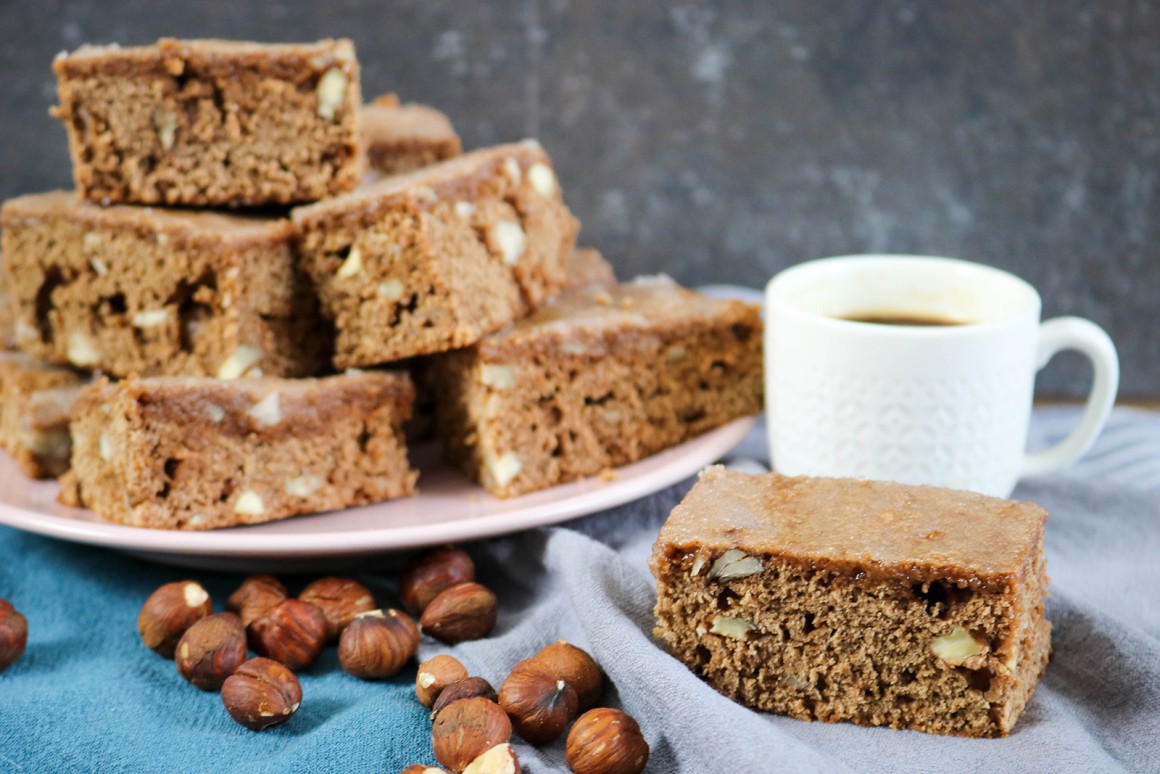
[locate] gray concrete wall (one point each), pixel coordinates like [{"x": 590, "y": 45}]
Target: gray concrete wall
[{"x": 722, "y": 141}]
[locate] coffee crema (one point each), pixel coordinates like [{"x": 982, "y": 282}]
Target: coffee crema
[{"x": 902, "y": 318}]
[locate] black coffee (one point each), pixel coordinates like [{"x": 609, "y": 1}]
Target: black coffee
[{"x": 902, "y": 318}]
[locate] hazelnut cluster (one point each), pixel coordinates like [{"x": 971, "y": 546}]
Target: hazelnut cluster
[
  {"x": 211, "y": 650},
  {"x": 541, "y": 697},
  {"x": 13, "y": 634},
  {"x": 439, "y": 586},
  {"x": 288, "y": 633}
]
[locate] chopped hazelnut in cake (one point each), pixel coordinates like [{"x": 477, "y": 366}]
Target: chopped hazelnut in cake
[
  {"x": 437, "y": 258},
  {"x": 143, "y": 290},
  {"x": 200, "y": 453},
  {"x": 595, "y": 379},
  {"x": 871, "y": 602},
  {"x": 212, "y": 122}
]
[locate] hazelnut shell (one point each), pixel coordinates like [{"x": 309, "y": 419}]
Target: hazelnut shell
[
  {"x": 211, "y": 650},
  {"x": 255, "y": 597},
  {"x": 434, "y": 675},
  {"x": 169, "y": 611},
  {"x": 377, "y": 644},
  {"x": 576, "y": 667},
  {"x": 293, "y": 633},
  {"x": 467, "y": 688},
  {"x": 464, "y": 612},
  {"x": 466, "y": 729},
  {"x": 340, "y": 600},
  {"x": 540, "y": 705},
  {"x": 432, "y": 572},
  {"x": 13, "y": 634},
  {"x": 261, "y": 693},
  {"x": 606, "y": 741}
]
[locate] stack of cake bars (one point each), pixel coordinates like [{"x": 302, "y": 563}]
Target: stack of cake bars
[{"x": 232, "y": 319}]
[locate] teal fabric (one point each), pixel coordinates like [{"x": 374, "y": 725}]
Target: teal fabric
[{"x": 88, "y": 695}]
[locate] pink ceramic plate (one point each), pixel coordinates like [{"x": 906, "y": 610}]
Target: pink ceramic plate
[{"x": 448, "y": 508}]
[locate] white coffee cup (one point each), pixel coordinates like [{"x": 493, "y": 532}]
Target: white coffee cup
[{"x": 946, "y": 404}]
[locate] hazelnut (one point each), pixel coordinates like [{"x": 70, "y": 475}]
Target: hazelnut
[
  {"x": 261, "y": 693},
  {"x": 467, "y": 688},
  {"x": 576, "y": 667},
  {"x": 255, "y": 597},
  {"x": 211, "y": 650},
  {"x": 467, "y": 729},
  {"x": 463, "y": 612},
  {"x": 13, "y": 634},
  {"x": 340, "y": 600},
  {"x": 292, "y": 633},
  {"x": 540, "y": 705},
  {"x": 434, "y": 675},
  {"x": 428, "y": 574},
  {"x": 378, "y": 644},
  {"x": 419, "y": 768},
  {"x": 606, "y": 741},
  {"x": 169, "y": 611},
  {"x": 500, "y": 759}
]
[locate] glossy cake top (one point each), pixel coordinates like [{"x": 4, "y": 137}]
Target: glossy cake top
[{"x": 871, "y": 526}]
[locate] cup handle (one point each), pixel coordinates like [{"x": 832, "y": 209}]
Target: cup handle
[{"x": 1062, "y": 333}]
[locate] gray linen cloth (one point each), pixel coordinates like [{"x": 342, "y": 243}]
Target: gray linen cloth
[{"x": 1097, "y": 708}]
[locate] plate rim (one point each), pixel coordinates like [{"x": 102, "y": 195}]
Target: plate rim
[{"x": 634, "y": 481}]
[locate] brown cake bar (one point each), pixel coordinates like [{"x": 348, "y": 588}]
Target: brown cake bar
[
  {"x": 35, "y": 405},
  {"x": 140, "y": 290},
  {"x": 596, "y": 379},
  {"x": 871, "y": 602},
  {"x": 401, "y": 138},
  {"x": 197, "y": 453},
  {"x": 586, "y": 268},
  {"x": 211, "y": 122},
  {"x": 437, "y": 258}
]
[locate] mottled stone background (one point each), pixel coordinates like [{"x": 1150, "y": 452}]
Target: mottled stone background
[{"x": 720, "y": 142}]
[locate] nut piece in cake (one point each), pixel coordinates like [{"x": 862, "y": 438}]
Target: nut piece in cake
[
  {"x": 192, "y": 453},
  {"x": 404, "y": 137},
  {"x": 596, "y": 379},
  {"x": 794, "y": 595},
  {"x": 140, "y": 290},
  {"x": 436, "y": 258},
  {"x": 212, "y": 122}
]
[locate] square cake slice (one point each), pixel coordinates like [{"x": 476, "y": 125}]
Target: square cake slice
[
  {"x": 845, "y": 600},
  {"x": 596, "y": 379},
  {"x": 36, "y": 402},
  {"x": 212, "y": 122},
  {"x": 143, "y": 290},
  {"x": 199, "y": 453},
  {"x": 404, "y": 137},
  {"x": 437, "y": 258}
]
